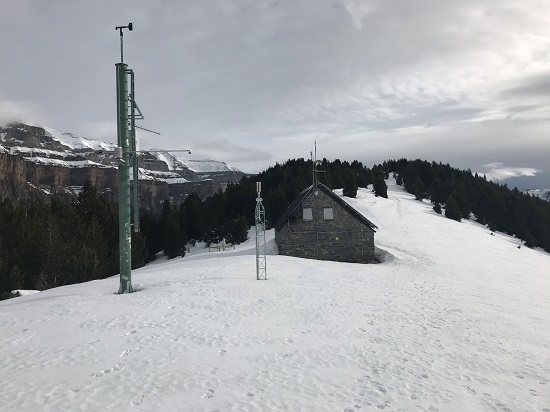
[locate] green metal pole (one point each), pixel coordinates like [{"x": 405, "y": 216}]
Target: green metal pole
[
  {"x": 124, "y": 135},
  {"x": 135, "y": 157}
]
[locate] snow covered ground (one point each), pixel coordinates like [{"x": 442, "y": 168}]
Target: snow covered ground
[{"x": 455, "y": 320}]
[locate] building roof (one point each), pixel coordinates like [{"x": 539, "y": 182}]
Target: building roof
[{"x": 300, "y": 198}]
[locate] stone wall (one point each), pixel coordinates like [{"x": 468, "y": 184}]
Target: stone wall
[{"x": 342, "y": 239}]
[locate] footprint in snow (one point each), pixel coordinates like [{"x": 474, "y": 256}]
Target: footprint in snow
[
  {"x": 222, "y": 352},
  {"x": 118, "y": 366},
  {"x": 99, "y": 374},
  {"x": 470, "y": 390},
  {"x": 208, "y": 393}
]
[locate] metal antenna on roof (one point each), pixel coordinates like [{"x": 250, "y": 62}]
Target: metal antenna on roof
[
  {"x": 261, "y": 271},
  {"x": 316, "y": 171}
]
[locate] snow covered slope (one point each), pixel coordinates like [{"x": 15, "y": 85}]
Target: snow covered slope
[
  {"x": 78, "y": 143},
  {"x": 455, "y": 320},
  {"x": 542, "y": 193},
  {"x": 175, "y": 162}
]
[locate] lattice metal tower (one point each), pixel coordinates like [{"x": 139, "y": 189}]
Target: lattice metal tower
[{"x": 261, "y": 270}]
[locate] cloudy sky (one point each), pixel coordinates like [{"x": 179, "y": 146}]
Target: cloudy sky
[{"x": 252, "y": 82}]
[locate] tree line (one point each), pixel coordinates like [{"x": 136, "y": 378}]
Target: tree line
[
  {"x": 44, "y": 244},
  {"x": 460, "y": 194},
  {"x": 48, "y": 244}
]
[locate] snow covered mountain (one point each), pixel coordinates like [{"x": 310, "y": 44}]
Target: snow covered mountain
[
  {"x": 544, "y": 194},
  {"x": 48, "y": 154},
  {"x": 454, "y": 320}
]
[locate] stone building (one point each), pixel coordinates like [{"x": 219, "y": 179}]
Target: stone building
[{"x": 321, "y": 225}]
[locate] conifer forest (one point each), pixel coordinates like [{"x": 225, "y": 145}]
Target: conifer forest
[{"x": 44, "y": 244}]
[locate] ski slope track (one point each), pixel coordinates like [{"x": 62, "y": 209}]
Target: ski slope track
[{"x": 454, "y": 320}]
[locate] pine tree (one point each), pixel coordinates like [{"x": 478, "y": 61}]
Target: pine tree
[
  {"x": 150, "y": 227},
  {"x": 436, "y": 191},
  {"x": 462, "y": 199},
  {"x": 419, "y": 189},
  {"x": 410, "y": 176},
  {"x": 172, "y": 239},
  {"x": 139, "y": 250},
  {"x": 196, "y": 223},
  {"x": 530, "y": 240},
  {"x": 350, "y": 184},
  {"x": 380, "y": 187},
  {"x": 452, "y": 211},
  {"x": 275, "y": 205},
  {"x": 236, "y": 230}
]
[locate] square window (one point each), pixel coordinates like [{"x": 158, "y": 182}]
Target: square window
[
  {"x": 307, "y": 213},
  {"x": 328, "y": 213}
]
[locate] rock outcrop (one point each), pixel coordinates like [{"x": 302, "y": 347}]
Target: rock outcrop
[{"x": 40, "y": 162}]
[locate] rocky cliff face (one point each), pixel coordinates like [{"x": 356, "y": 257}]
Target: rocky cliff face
[{"x": 40, "y": 162}]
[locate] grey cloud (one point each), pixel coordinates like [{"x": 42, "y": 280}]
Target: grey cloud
[
  {"x": 262, "y": 79},
  {"x": 16, "y": 111},
  {"x": 497, "y": 171},
  {"x": 532, "y": 86}
]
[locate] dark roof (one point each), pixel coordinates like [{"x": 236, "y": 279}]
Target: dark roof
[{"x": 298, "y": 201}]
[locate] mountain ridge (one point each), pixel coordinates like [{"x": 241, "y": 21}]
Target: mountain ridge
[
  {"x": 543, "y": 194},
  {"x": 51, "y": 159}
]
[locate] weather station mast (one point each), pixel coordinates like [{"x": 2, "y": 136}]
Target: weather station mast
[
  {"x": 125, "y": 130},
  {"x": 128, "y": 158}
]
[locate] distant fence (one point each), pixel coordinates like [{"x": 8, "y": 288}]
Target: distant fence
[{"x": 219, "y": 247}]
